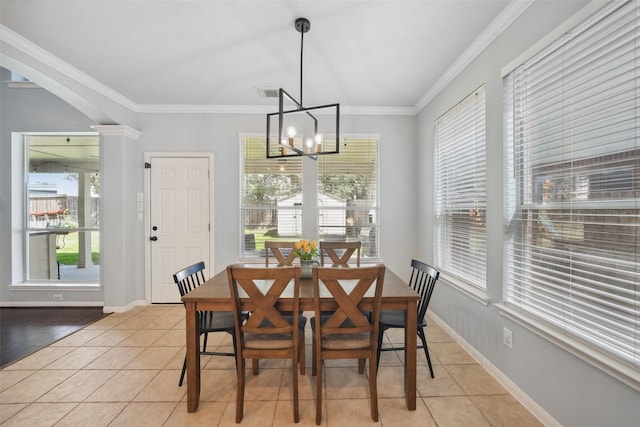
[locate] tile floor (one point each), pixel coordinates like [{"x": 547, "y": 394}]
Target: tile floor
[{"x": 123, "y": 370}]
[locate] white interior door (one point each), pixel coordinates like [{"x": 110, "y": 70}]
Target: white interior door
[{"x": 179, "y": 216}]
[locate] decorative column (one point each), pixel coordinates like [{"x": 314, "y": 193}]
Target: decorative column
[{"x": 119, "y": 269}]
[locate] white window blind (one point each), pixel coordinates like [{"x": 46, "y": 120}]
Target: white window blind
[
  {"x": 271, "y": 197},
  {"x": 573, "y": 185},
  {"x": 348, "y": 207},
  {"x": 461, "y": 193}
]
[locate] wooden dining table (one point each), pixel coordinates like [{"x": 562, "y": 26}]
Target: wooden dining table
[{"x": 214, "y": 295}]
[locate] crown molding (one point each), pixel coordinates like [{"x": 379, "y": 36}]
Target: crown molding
[
  {"x": 501, "y": 23},
  {"x": 34, "y": 51},
  {"x": 264, "y": 109},
  {"x": 118, "y": 130}
]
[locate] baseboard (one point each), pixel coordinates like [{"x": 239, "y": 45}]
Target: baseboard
[
  {"x": 543, "y": 416},
  {"x": 124, "y": 308},
  {"x": 51, "y": 304},
  {"x": 105, "y": 309}
]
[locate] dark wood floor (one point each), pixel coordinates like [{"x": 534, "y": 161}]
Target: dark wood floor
[{"x": 25, "y": 330}]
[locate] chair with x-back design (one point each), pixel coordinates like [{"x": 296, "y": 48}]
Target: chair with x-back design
[
  {"x": 267, "y": 333},
  {"x": 351, "y": 331},
  {"x": 340, "y": 253},
  {"x": 283, "y": 252}
]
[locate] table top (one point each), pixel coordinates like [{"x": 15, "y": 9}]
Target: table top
[{"x": 216, "y": 290}]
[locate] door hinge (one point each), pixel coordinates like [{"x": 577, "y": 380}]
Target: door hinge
[{"x": 147, "y": 165}]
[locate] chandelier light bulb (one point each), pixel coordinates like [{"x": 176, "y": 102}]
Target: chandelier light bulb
[
  {"x": 291, "y": 131},
  {"x": 318, "y": 140},
  {"x": 309, "y": 145}
]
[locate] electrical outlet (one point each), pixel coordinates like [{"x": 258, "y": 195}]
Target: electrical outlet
[
  {"x": 507, "y": 337},
  {"x": 57, "y": 297}
]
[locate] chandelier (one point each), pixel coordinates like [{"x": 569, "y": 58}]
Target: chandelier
[{"x": 296, "y": 130}]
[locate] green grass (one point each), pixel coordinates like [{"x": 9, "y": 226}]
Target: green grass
[
  {"x": 270, "y": 234},
  {"x": 67, "y": 254}
]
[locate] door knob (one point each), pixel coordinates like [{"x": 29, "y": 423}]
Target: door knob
[{"x": 154, "y": 238}]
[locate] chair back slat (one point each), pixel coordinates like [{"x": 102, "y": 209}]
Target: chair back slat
[
  {"x": 283, "y": 252},
  {"x": 265, "y": 318},
  {"x": 423, "y": 280},
  {"x": 189, "y": 278},
  {"x": 340, "y": 253},
  {"x": 350, "y": 317}
]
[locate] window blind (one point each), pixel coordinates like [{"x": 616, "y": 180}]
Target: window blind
[
  {"x": 271, "y": 197},
  {"x": 348, "y": 207},
  {"x": 572, "y": 196},
  {"x": 461, "y": 193}
]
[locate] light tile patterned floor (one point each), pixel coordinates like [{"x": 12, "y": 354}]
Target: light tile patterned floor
[{"x": 123, "y": 371}]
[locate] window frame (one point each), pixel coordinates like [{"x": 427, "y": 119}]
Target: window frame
[
  {"x": 521, "y": 202},
  {"x": 310, "y": 175},
  {"x": 21, "y": 215},
  {"x": 471, "y": 137}
]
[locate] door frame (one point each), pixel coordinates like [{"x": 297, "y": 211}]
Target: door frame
[{"x": 148, "y": 158}]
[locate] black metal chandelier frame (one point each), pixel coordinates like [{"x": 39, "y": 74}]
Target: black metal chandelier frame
[{"x": 286, "y": 146}]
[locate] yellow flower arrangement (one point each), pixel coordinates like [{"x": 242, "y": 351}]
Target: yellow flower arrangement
[{"x": 306, "y": 249}]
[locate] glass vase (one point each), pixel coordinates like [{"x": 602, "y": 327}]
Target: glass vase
[{"x": 305, "y": 268}]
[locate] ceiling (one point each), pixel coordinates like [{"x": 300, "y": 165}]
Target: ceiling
[
  {"x": 361, "y": 54},
  {"x": 54, "y": 153}
]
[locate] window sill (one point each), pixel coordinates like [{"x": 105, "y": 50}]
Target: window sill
[
  {"x": 48, "y": 286},
  {"x": 471, "y": 291},
  {"x": 617, "y": 370}
]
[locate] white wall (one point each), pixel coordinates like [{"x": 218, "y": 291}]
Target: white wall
[
  {"x": 220, "y": 135},
  {"x": 122, "y": 176},
  {"x": 573, "y": 392}
]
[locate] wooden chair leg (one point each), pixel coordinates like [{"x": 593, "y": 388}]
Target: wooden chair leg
[
  {"x": 314, "y": 362},
  {"x": 373, "y": 390},
  {"x": 302, "y": 361},
  {"x": 318, "y": 374},
  {"x": 361, "y": 366},
  {"x": 296, "y": 406},
  {"x": 240, "y": 392},
  {"x": 255, "y": 364}
]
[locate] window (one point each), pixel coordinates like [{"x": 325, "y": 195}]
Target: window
[
  {"x": 271, "y": 197},
  {"x": 461, "y": 193},
  {"x": 348, "y": 207},
  {"x": 345, "y": 189},
  {"x": 573, "y": 194},
  {"x": 63, "y": 216}
]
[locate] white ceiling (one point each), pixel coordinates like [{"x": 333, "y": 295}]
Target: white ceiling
[{"x": 188, "y": 52}]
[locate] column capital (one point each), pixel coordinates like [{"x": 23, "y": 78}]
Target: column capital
[{"x": 118, "y": 130}]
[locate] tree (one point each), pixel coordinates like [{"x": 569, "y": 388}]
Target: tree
[
  {"x": 267, "y": 189},
  {"x": 345, "y": 186}
]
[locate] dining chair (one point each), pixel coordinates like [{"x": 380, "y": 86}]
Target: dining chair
[
  {"x": 340, "y": 253},
  {"x": 283, "y": 252},
  {"x": 423, "y": 280},
  {"x": 267, "y": 333},
  {"x": 187, "y": 280},
  {"x": 351, "y": 331}
]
